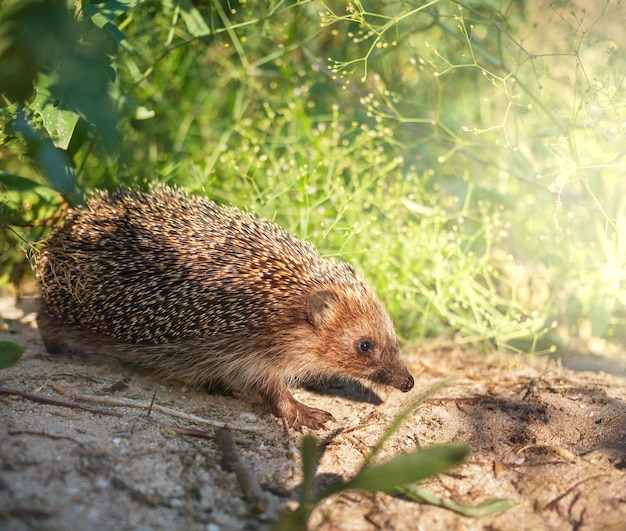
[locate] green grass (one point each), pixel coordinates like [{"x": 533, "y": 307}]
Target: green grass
[{"x": 466, "y": 158}]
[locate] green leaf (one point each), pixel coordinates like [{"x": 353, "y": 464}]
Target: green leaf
[
  {"x": 53, "y": 161},
  {"x": 309, "y": 452},
  {"x": 105, "y": 16},
  {"x": 10, "y": 353},
  {"x": 59, "y": 123},
  {"x": 17, "y": 182},
  {"x": 296, "y": 521},
  {"x": 492, "y": 506},
  {"x": 105, "y": 12},
  {"x": 196, "y": 25},
  {"x": 405, "y": 469}
]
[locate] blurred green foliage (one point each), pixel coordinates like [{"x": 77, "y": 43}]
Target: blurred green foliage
[
  {"x": 467, "y": 158},
  {"x": 10, "y": 354}
]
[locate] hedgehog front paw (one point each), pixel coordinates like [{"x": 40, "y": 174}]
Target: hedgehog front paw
[
  {"x": 307, "y": 416},
  {"x": 295, "y": 414}
]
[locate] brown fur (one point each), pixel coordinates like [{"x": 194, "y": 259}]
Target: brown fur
[{"x": 211, "y": 294}]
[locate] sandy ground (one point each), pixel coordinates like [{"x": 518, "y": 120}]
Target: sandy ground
[{"x": 551, "y": 440}]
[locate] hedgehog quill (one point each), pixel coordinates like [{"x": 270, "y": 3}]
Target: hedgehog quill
[{"x": 210, "y": 295}]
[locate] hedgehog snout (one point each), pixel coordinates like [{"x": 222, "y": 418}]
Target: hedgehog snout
[
  {"x": 400, "y": 378},
  {"x": 407, "y": 385},
  {"x": 396, "y": 376}
]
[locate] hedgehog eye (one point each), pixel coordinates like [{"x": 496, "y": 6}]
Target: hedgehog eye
[{"x": 364, "y": 346}]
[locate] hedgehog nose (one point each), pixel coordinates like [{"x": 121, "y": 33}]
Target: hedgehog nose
[{"x": 407, "y": 385}]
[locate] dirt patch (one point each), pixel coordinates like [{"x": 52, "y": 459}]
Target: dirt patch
[{"x": 551, "y": 440}]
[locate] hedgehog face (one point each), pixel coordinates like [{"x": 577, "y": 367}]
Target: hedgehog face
[
  {"x": 382, "y": 364},
  {"x": 358, "y": 337}
]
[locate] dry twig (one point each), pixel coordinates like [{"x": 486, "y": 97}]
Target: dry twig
[
  {"x": 249, "y": 485},
  {"x": 58, "y": 402},
  {"x": 188, "y": 431},
  {"x": 151, "y": 406}
]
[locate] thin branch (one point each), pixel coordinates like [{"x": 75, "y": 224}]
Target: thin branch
[
  {"x": 249, "y": 485},
  {"x": 58, "y": 402},
  {"x": 150, "y": 406}
]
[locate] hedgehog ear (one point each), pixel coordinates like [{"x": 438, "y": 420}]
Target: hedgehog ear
[{"x": 320, "y": 307}]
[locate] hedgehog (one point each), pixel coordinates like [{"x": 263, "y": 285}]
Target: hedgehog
[{"x": 212, "y": 295}]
